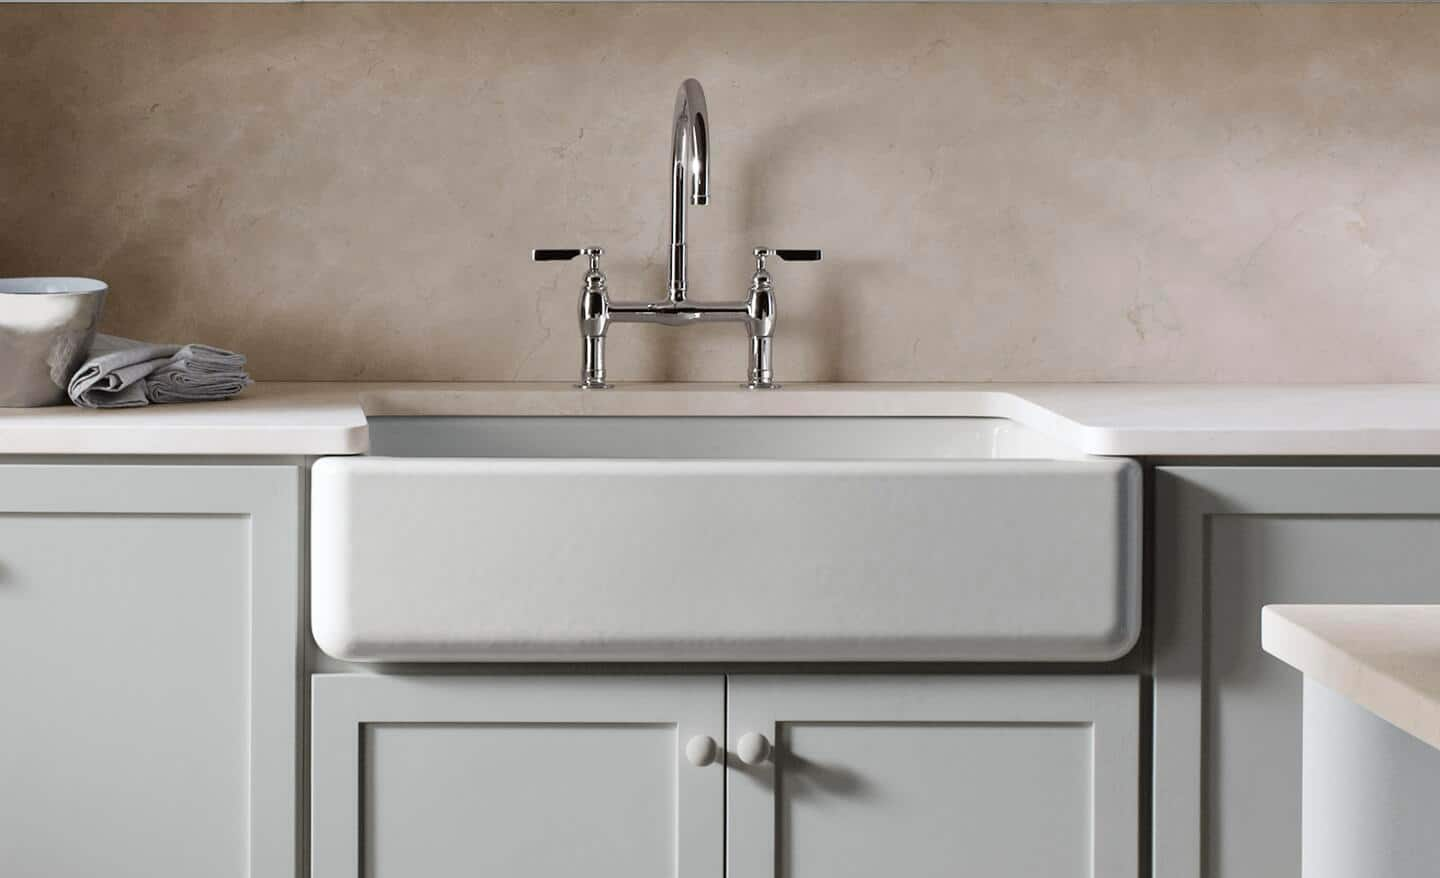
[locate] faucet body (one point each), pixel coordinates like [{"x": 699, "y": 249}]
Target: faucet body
[{"x": 689, "y": 182}]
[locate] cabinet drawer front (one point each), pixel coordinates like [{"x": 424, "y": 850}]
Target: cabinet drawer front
[
  {"x": 519, "y": 776},
  {"x": 1006, "y": 777}
]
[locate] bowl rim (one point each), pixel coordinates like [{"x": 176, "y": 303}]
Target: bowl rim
[{"x": 87, "y": 286}]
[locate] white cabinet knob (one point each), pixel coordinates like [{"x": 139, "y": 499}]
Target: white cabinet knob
[
  {"x": 701, "y": 750},
  {"x": 753, "y": 748}
]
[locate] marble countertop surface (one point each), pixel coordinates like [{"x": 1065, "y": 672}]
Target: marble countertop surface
[
  {"x": 1384, "y": 658},
  {"x": 1135, "y": 420}
]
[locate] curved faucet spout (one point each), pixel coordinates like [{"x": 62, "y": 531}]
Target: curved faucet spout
[
  {"x": 689, "y": 157},
  {"x": 692, "y": 130}
]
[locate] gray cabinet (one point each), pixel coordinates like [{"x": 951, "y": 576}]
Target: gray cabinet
[
  {"x": 448, "y": 775},
  {"x": 1005, "y": 777},
  {"x": 1227, "y": 758},
  {"x": 149, "y": 650},
  {"x": 524, "y": 776}
]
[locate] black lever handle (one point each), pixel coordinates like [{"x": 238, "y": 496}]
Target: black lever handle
[
  {"x": 763, "y": 253},
  {"x": 557, "y": 255},
  {"x": 553, "y": 255}
]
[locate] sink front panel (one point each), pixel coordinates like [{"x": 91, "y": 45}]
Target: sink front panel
[{"x": 562, "y": 559}]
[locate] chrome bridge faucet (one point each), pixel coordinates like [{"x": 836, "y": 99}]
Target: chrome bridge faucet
[{"x": 689, "y": 162}]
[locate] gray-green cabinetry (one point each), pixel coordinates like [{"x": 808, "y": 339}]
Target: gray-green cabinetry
[
  {"x": 1227, "y": 758},
  {"x": 149, "y": 660},
  {"x": 523, "y": 776},
  {"x": 442, "y": 775},
  {"x": 935, "y": 776}
]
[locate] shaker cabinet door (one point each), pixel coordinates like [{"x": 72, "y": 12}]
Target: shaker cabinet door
[
  {"x": 1228, "y": 716},
  {"x": 149, "y": 670},
  {"x": 518, "y": 776},
  {"x": 933, "y": 777}
]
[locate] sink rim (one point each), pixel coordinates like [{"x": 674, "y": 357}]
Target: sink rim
[{"x": 714, "y": 437}]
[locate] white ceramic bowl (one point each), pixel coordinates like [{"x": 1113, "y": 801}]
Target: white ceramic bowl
[{"x": 46, "y": 326}]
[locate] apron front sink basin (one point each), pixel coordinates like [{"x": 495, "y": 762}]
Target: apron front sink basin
[{"x": 479, "y": 539}]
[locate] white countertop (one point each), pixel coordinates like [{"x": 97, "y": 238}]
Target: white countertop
[
  {"x": 267, "y": 419},
  {"x": 1135, "y": 420},
  {"x": 1384, "y": 658}
]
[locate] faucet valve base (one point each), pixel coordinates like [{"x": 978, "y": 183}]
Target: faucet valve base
[{"x": 594, "y": 312}]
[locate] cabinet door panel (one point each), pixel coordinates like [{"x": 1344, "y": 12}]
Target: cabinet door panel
[
  {"x": 1228, "y": 716},
  {"x": 148, "y": 663},
  {"x": 935, "y": 776},
  {"x": 528, "y": 777}
]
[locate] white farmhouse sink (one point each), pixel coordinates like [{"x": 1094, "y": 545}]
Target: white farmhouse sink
[{"x": 737, "y": 539}]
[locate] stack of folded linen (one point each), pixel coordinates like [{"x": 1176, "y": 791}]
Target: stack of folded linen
[{"x": 122, "y": 373}]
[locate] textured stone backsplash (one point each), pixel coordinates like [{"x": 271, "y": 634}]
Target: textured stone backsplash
[{"x": 1154, "y": 193}]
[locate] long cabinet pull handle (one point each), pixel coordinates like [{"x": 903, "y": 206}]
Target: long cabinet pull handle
[
  {"x": 701, "y": 750},
  {"x": 753, "y": 748}
]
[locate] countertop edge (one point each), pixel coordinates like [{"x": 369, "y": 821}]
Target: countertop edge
[
  {"x": 1109, "y": 420},
  {"x": 1399, "y": 698}
]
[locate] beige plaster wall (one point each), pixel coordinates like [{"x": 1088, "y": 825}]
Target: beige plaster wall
[{"x": 1176, "y": 193}]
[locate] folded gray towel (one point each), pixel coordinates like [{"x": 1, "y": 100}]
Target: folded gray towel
[{"x": 122, "y": 373}]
